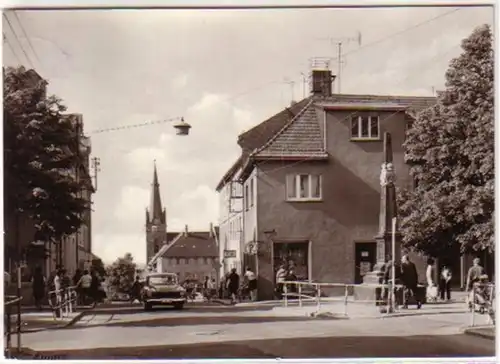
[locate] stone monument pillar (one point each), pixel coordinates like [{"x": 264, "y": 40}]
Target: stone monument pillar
[{"x": 388, "y": 210}]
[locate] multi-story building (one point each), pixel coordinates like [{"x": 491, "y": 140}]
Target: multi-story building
[
  {"x": 192, "y": 255},
  {"x": 310, "y": 177},
  {"x": 75, "y": 251},
  {"x": 231, "y": 220}
]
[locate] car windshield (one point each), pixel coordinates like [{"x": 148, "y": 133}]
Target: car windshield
[{"x": 163, "y": 280}]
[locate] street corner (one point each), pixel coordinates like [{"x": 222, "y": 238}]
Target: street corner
[{"x": 485, "y": 332}]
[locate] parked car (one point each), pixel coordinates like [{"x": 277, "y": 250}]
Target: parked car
[{"x": 163, "y": 289}]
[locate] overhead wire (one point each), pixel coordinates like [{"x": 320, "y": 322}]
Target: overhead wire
[
  {"x": 11, "y": 48},
  {"x": 27, "y": 37},
  {"x": 289, "y": 165},
  {"x": 17, "y": 39}
]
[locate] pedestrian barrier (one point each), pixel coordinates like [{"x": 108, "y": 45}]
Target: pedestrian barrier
[
  {"x": 9, "y": 303},
  {"x": 62, "y": 302},
  {"x": 296, "y": 288},
  {"x": 481, "y": 301}
]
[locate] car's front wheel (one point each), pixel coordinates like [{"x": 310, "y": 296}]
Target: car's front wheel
[{"x": 179, "y": 306}]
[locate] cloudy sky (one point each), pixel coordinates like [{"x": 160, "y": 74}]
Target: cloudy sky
[{"x": 224, "y": 71}]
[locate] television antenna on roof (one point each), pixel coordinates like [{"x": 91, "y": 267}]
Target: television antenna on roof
[{"x": 339, "y": 42}]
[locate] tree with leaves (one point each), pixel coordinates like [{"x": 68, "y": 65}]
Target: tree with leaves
[
  {"x": 41, "y": 153},
  {"x": 450, "y": 150},
  {"x": 121, "y": 274},
  {"x": 98, "y": 267}
]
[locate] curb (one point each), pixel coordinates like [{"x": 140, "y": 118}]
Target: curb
[
  {"x": 64, "y": 325},
  {"x": 473, "y": 332}
]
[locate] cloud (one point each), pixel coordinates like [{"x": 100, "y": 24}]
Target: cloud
[{"x": 224, "y": 72}]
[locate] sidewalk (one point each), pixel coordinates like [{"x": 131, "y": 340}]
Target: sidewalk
[
  {"x": 485, "y": 332},
  {"x": 39, "y": 321}
]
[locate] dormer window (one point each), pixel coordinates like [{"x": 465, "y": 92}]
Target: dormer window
[{"x": 365, "y": 128}]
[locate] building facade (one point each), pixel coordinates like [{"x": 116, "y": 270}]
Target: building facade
[
  {"x": 156, "y": 221},
  {"x": 231, "y": 221},
  {"x": 310, "y": 176},
  {"x": 192, "y": 255}
]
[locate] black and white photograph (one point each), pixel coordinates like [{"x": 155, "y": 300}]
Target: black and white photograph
[{"x": 249, "y": 180}]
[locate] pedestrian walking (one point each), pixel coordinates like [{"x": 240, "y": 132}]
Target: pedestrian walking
[
  {"x": 292, "y": 277},
  {"x": 84, "y": 284},
  {"x": 280, "y": 281},
  {"x": 76, "y": 278},
  {"x": 38, "y": 283},
  {"x": 95, "y": 286},
  {"x": 233, "y": 284},
  {"x": 409, "y": 278},
  {"x": 135, "y": 291},
  {"x": 445, "y": 283},
  {"x": 207, "y": 288},
  {"x": 431, "y": 291},
  {"x": 251, "y": 279},
  {"x": 473, "y": 276}
]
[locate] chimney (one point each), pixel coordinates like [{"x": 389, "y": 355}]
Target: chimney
[
  {"x": 322, "y": 82},
  {"x": 186, "y": 231},
  {"x": 211, "y": 230}
]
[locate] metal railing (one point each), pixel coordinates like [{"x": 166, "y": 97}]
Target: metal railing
[
  {"x": 62, "y": 302},
  {"x": 481, "y": 301},
  {"x": 386, "y": 298},
  {"x": 10, "y": 302}
]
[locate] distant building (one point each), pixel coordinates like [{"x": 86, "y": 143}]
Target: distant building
[
  {"x": 192, "y": 255},
  {"x": 156, "y": 221}
]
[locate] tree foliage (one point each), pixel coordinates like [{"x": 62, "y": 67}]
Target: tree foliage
[
  {"x": 122, "y": 274},
  {"x": 450, "y": 150},
  {"x": 40, "y": 157},
  {"x": 98, "y": 266}
]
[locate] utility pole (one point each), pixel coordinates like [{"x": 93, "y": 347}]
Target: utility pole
[{"x": 339, "y": 45}]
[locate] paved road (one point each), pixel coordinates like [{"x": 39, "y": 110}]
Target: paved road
[
  {"x": 332, "y": 347},
  {"x": 227, "y": 332}
]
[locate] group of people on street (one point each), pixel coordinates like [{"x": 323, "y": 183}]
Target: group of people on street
[
  {"x": 86, "y": 285},
  {"x": 237, "y": 292},
  {"x": 283, "y": 275}
]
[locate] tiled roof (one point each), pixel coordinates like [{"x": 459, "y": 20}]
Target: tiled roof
[
  {"x": 259, "y": 135},
  {"x": 300, "y": 137},
  {"x": 303, "y": 137},
  {"x": 193, "y": 245}
]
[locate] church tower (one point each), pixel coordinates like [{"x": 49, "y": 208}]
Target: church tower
[{"x": 156, "y": 220}]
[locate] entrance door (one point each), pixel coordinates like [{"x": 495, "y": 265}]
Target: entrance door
[{"x": 365, "y": 259}]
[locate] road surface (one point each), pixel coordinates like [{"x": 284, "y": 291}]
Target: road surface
[{"x": 226, "y": 332}]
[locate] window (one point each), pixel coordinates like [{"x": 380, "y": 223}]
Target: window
[
  {"x": 246, "y": 197},
  {"x": 303, "y": 187},
  {"x": 365, "y": 127},
  {"x": 251, "y": 192}
]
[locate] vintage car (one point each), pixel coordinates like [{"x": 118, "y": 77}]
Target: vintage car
[{"x": 163, "y": 289}]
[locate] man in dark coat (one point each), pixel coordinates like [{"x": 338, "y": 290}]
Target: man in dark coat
[
  {"x": 233, "y": 284},
  {"x": 409, "y": 278}
]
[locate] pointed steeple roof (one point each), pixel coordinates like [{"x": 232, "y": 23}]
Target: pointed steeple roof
[{"x": 155, "y": 209}]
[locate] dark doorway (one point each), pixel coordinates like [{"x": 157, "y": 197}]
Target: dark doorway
[
  {"x": 293, "y": 255},
  {"x": 365, "y": 258}
]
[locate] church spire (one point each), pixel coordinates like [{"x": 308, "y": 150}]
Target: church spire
[{"x": 155, "y": 209}]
